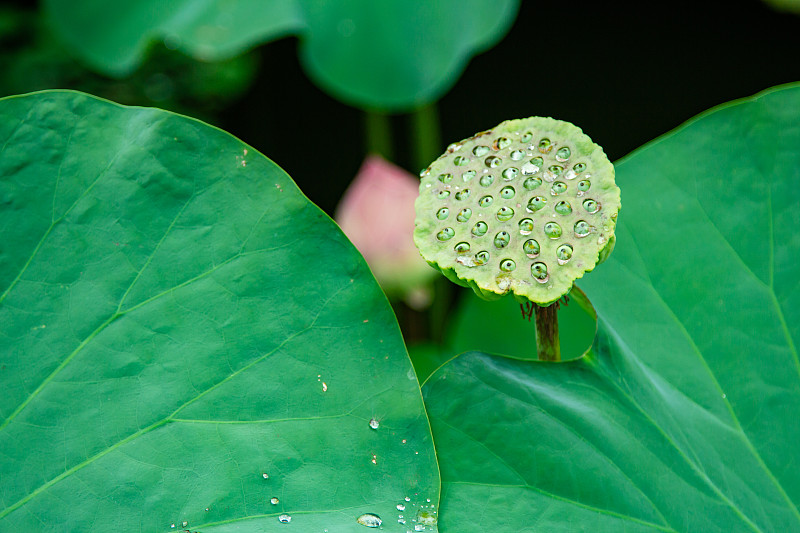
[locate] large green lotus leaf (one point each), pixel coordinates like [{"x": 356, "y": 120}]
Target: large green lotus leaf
[
  {"x": 184, "y": 336},
  {"x": 391, "y": 55},
  {"x": 683, "y": 417}
]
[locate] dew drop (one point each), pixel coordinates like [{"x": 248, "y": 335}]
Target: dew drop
[
  {"x": 463, "y": 194},
  {"x": 526, "y": 137},
  {"x": 505, "y": 213},
  {"x": 460, "y": 161},
  {"x": 486, "y": 201},
  {"x": 464, "y": 214},
  {"x": 274, "y": 500},
  {"x": 557, "y": 188},
  {"x": 480, "y": 150},
  {"x": 443, "y": 194},
  {"x": 545, "y": 145},
  {"x": 184, "y": 523},
  {"x": 487, "y": 180},
  {"x": 501, "y": 143},
  {"x": 510, "y": 173},
  {"x": 442, "y": 213},
  {"x": 582, "y": 228},
  {"x": 493, "y": 161},
  {"x": 502, "y": 239},
  {"x": 446, "y": 234},
  {"x": 507, "y": 265},
  {"x": 369, "y": 520},
  {"x": 374, "y": 424},
  {"x": 563, "y": 208},
  {"x": 480, "y": 229},
  {"x": 531, "y": 248},
  {"x": 517, "y": 155},
  {"x": 564, "y": 254},
  {"x": 532, "y": 183},
  {"x": 407, "y": 499},
  {"x": 284, "y": 518},
  {"x": 552, "y": 230},
  {"x": 563, "y": 154},
  {"x": 481, "y": 258},
  {"x": 419, "y": 527},
  {"x": 462, "y": 247},
  {"x": 446, "y": 178},
  {"x": 536, "y": 203},
  {"x": 525, "y": 226},
  {"x": 584, "y": 185},
  {"x": 579, "y": 167},
  {"x": 507, "y": 192},
  {"x": 539, "y": 272},
  {"x": 265, "y": 475},
  {"x": 401, "y": 507},
  {"x": 591, "y": 206}
]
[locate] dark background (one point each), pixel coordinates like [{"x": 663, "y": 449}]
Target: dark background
[{"x": 632, "y": 74}]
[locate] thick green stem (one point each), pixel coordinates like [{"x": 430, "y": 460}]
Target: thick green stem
[
  {"x": 378, "y": 134},
  {"x": 547, "y": 343},
  {"x": 426, "y": 138}
]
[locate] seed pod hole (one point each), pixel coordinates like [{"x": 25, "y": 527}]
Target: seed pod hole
[{"x": 464, "y": 214}]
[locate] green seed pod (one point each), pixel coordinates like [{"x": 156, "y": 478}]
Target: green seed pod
[{"x": 546, "y": 211}]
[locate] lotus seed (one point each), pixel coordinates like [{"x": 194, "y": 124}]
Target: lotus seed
[
  {"x": 532, "y": 183},
  {"x": 531, "y": 248},
  {"x": 545, "y": 145},
  {"x": 445, "y": 178},
  {"x": 507, "y": 192},
  {"x": 584, "y": 185},
  {"x": 461, "y": 161},
  {"x": 493, "y": 161},
  {"x": 487, "y": 180},
  {"x": 517, "y": 155},
  {"x": 536, "y": 203},
  {"x": 525, "y": 226},
  {"x": 482, "y": 257},
  {"x": 446, "y": 234},
  {"x": 582, "y": 228},
  {"x": 510, "y": 173},
  {"x": 537, "y": 162},
  {"x": 480, "y": 150},
  {"x": 539, "y": 271},
  {"x": 464, "y": 194},
  {"x": 443, "y": 213},
  {"x": 591, "y": 206},
  {"x": 486, "y": 201},
  {"x": 462, "y": 247},
  {"x": 501, "y": 142},
  {"x": 505, "y": 213},
  {"x": 557, "y": 188},
  {"x": 480, "y": 229},
  {"x": 552, "y": 230},
  {"x": 501, "y": 239},
  {"x": 579, "y": 167},
  {"x": 563, "y": 154},
  {"x": 468, "y": 175},
  {"x": 556, "y": 169},
  {"x": 563, "y": 208},
  {"x": 443, "y": 194},
  {"x": 507, "y": 265},
  {"x": 464, "y": 214},
  {"x": 526, "y": 137},
  {"x": 564, "y": 253}
]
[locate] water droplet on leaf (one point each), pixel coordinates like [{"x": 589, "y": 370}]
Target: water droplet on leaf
[
  {"x": 374, "y": 424},
  {"x": 369, "y": 520},
  {"x": 274, "y": 500},
  {"x": 284, "y": 518}
]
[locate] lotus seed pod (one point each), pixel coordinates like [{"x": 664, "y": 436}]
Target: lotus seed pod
[{"x": 543, "y": 210}]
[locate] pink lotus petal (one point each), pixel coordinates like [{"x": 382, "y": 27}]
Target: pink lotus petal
[{"x": 377, "y": 215}]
